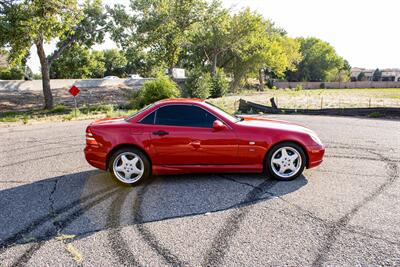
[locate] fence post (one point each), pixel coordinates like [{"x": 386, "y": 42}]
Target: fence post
[{"x": 322, "y": 101}]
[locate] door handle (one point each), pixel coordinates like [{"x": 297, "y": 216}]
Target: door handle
[
  {"x": 160, "y": 133},
  {"x": 195, "y": 143}
]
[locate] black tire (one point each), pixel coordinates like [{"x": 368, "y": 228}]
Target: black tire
[
  {"x": 143, "y": 160},
  {"x": 271, "y": 152}
]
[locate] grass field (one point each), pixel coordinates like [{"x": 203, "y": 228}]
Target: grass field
[{"x": 315, "y": 99}]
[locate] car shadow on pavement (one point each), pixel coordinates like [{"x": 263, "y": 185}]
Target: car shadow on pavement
[{"x": 83, "y": 203}]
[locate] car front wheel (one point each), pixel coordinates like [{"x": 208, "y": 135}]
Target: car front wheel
[
  {"x": 129, "y": 166},
  {"x": 285, "y": 161}
]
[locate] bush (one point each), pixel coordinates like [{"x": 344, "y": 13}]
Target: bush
[
  {"x": 220, "y": 84},
  {"x": 12, "y": 73},
  {"x": 160, "y": 88},
  {"x": 198, "y": 84},
  {"x": 25, "y": 119},
  {"x": 322, "y": 86},
  {"x": 299, "y": 87},
  {"x": 376, "y": 114},
  {"x": 9, "y": 116}
]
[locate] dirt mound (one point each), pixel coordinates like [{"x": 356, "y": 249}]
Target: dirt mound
[{"x": 26, "y": 100}]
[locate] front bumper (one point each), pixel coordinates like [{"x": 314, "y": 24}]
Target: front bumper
[{"x": 315, "y": 156}]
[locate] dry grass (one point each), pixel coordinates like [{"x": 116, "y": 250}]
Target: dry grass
[
  {"x": 316, "y": 99},
  {"x": 62, "y": 113}
]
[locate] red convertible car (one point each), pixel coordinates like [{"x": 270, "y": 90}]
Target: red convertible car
[{"x": 178, "y": 136}]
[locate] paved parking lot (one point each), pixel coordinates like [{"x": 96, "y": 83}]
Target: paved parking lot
[{"x": 56, "y": 210}]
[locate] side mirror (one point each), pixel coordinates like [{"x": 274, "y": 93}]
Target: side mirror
[{"x": 218, "y": 126}]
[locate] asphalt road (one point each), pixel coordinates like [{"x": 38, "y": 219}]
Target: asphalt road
[{"x": 56, "y": 210}]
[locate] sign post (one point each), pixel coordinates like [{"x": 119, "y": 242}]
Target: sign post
[{"x": 74, "y": 91}]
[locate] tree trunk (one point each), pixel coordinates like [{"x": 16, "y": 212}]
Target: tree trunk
[
  {"x": 45, "y": 68},
  {"x": 236, "y": 83},
  {"x": 261, "y": 79},
  {"x": 214, "y": 65}
]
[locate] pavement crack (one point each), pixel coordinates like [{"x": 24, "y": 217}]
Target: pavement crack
[
  {"x": 239, "y": 182},
  {"x": 53, "y": 213}
]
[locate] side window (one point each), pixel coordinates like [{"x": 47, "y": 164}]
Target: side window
[
  {"x": 184, "y": 115},
  {"x": 149, "y": 119}
]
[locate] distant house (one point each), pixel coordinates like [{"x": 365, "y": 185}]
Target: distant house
[
  {"x": 386, "y": 74},
  {"x": 355, "y": 73},
  {"x": 391, "y": 75}
]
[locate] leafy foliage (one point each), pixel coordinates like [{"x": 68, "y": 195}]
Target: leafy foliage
[
  {"x": 320, "y": 62},
  {"x": 361, "y": 77},
  {"x": 12, "y": 73},
  {"x": 220, "y": 84},
  {"x": 78, "y": 62},
  {"x": 198, "y": 84},
  {"x": 115, "y": 63},
  {"x": 261, "y": 45},
  {"x": 161, "y": 27},
  {"x": 160, "y": 88}
]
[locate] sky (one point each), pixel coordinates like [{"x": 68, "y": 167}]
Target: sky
[{"x": 365, "y": 32}]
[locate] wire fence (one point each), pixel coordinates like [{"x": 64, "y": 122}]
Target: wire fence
[{"x": 321, "y": 102}]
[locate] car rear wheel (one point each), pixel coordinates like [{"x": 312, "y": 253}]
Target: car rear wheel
[
  {"x": 129, "y": 166},
  {"x": 285, "y": 161}
]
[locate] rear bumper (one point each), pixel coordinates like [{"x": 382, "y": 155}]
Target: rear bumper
[
  {"x": 315, "y": 156},
  {"x": 95, "y": 157}
]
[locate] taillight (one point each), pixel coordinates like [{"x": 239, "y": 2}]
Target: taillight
[{"x": 90, "y": 140}]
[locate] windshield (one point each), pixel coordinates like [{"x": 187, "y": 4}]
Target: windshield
[
  {"x": 140, "y": 111},
  {"x": 223, "y": 113}
]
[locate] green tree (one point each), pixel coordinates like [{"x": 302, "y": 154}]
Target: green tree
[
  {"x": 12, "y": 73},
  {"x": 78, "y": 62},
  {"x": 377, "y": 76},
  {"x": 361, "y": 77},
  {"x": 114, "y": 62},
  {"x": 138, "y": 62},
  {"x": 8, "y": 72},
  {"x": 161, "y": 28},
  {"x": 341, "y": 74},
  {"x": 24, "y": 23},
  {"x": 198, "y": 84},
  {"x": 220, "y": 84},
  {"x": 261, "y": 46},
  {"x": 320, "y": 62},
  {"x": 213, "y": 37}
]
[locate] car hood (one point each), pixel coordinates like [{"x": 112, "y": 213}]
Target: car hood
[{"x": 274, "y": 124}]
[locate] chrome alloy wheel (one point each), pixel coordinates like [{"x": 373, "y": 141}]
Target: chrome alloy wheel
[
  {"x": 286, "y": 162},
  {"x": 128, "y": 167}
]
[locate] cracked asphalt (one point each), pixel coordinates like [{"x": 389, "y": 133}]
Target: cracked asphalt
[{"x": 56, "y": 210}]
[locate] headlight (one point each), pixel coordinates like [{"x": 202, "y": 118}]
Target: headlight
[{"x": 316, "y": 139}]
